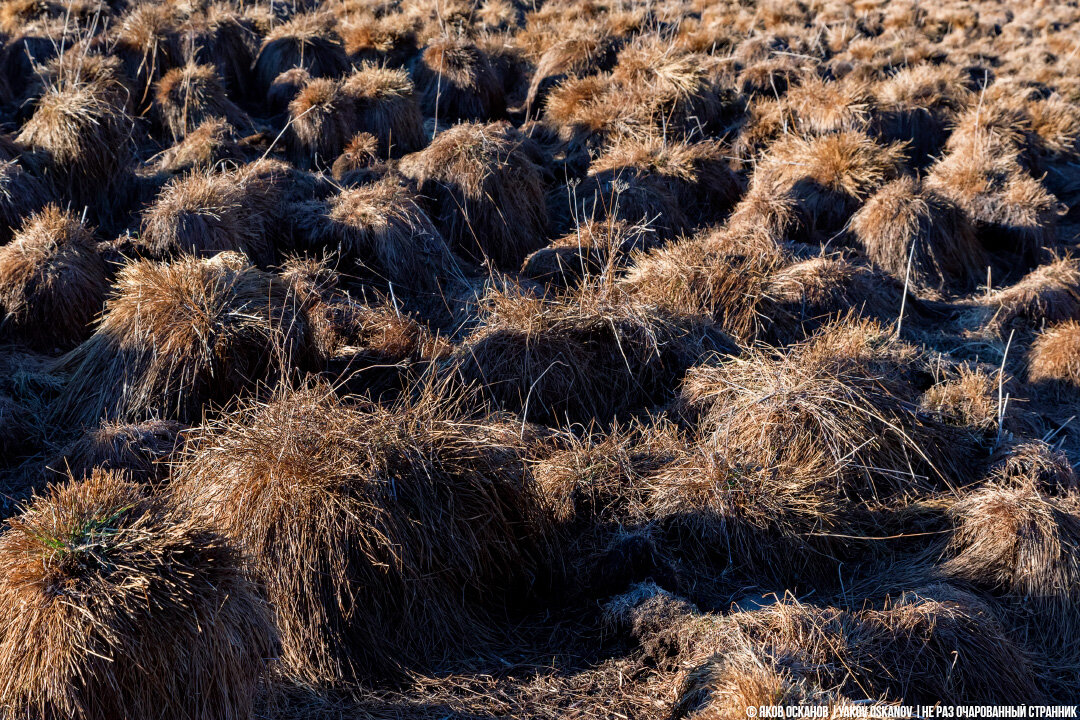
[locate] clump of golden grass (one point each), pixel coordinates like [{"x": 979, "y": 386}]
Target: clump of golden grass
[
  {"x": 177, "y": 336},
  {"x": 837, "y": 405},
  {"x": 286, "y": 181},
  {"x": 188, "y": 96},
  {"x": 84, "y": 140},
  {"x": 761, "y": 522},
  {"x": 114, "y": 605},
  {"x": 489, "y": 194},
  {"x": 999, "y": 126},
  {"x": 938, "y": 644},
  {"x": 919, "y": 236},
  {"x": 966, "y": 397},
  {"x": 86, "y": 64},
  {"x": 21, "y": 194},
  {"x": 653, "y": 90},
  {"x": 589, "y": 353},
  {"x": 1055, "y": 124},
  {"x": 52, "y": 281},
  {"x": 358, "y": 161},
  {"x": 1012, "y": 211},
  {"x": 584, "y": 53},
  {"x": 15, "y": 15},
  {"x": 385, "y": 105},
  {"x": 1055, "y": 355},
  {"x": 321, "y": 120},
  {"x": 662, "y": 87},
  {"x": 285, "y": 87},
  {"x": 206, "y": 212},
  {"x": 457, "y": 81},
  {"x": 668, "y": 186},
  {"x": 1010, "y": 538},
  {"x": 148, "y": 44},
  {"x": 305, "y": 41},
  {"x": 380, "y": 227},
  {"x": 803, "y": 296},
  {"x": 592, "y": 248},
  {"x": 935, "y": 644},
  {"x": 827, "y": 177},
  {"x": 1048, "y": 294},
  {"x": 765, "y": 120},
  {"x": 139, "y": 450},
  {"x": 583, "y": 112},
  {"x": 769, "y": 77},
  {"x": 718, "y": 274},
  {"x": 917, "y": 105},
  {"x": 202, "y": 148},
  {"x": 724, "y": 687},
  {"x": 369, "y": 526},
  {"x": 1035, "y": 463},
  {"x": 820, "y": 107},
  {"x": 219, "y": 34}
]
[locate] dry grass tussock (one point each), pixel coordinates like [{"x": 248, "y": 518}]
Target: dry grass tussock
[
  {"x": 203, "y": 147},
  {"x": 488, "y": 191},
  {"x": 1013, "y": 539},
  {"x": 458, "y": 81},
  {"x": 839, "y": 406},
  {"x": 668, "y": 186},
  {"x": 115, "y": 604},
  {"x": 84, "y": 139},
  {"x": 321, "y": 121},
  {"x": 720, "y": 274},
  {"x": 186, "y": 97},
  {"x": 52, "y": 280},
  {"x": 21, "y": 194},
  {"x": 305, "y": 41},
  {"x": 177, "y": 336},
  {"x": 370, "y": 526},
  {"x": 382, "y": 227},
  {"x": 1048, "y": 294},
  {"x": 1055, "y": 355},
  {"x": 386, "y": 106},
  {"x": 591, "y": 250},
  {"x": 937, "y": 643},
  {"x": 827, "y": 177},
  {"x": 1013, "y": 212},
  {"x": 208, "y": 212},
  {"x": 588, "y": 353},
  {"x": 919, "y": 236}
]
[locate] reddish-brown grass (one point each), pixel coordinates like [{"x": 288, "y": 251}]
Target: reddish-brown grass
[
  {"x": 1055, "y": 355},
  {"x": 177, "y": 336},
  {"x": 206, "y": 212},
  {"x": 385, "y": 105},
  {"x": 116, "y": 605},
  {"x": 380, "y": 227},
  {"x": 489, "y": 194},
  {"x": 186, "y": 97},
  {"x": 368, "y": 526},
  {"x": 52, "y": 281}
]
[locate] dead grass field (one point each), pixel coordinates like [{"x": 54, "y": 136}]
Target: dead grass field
[{"x": 597, "y": 359}]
